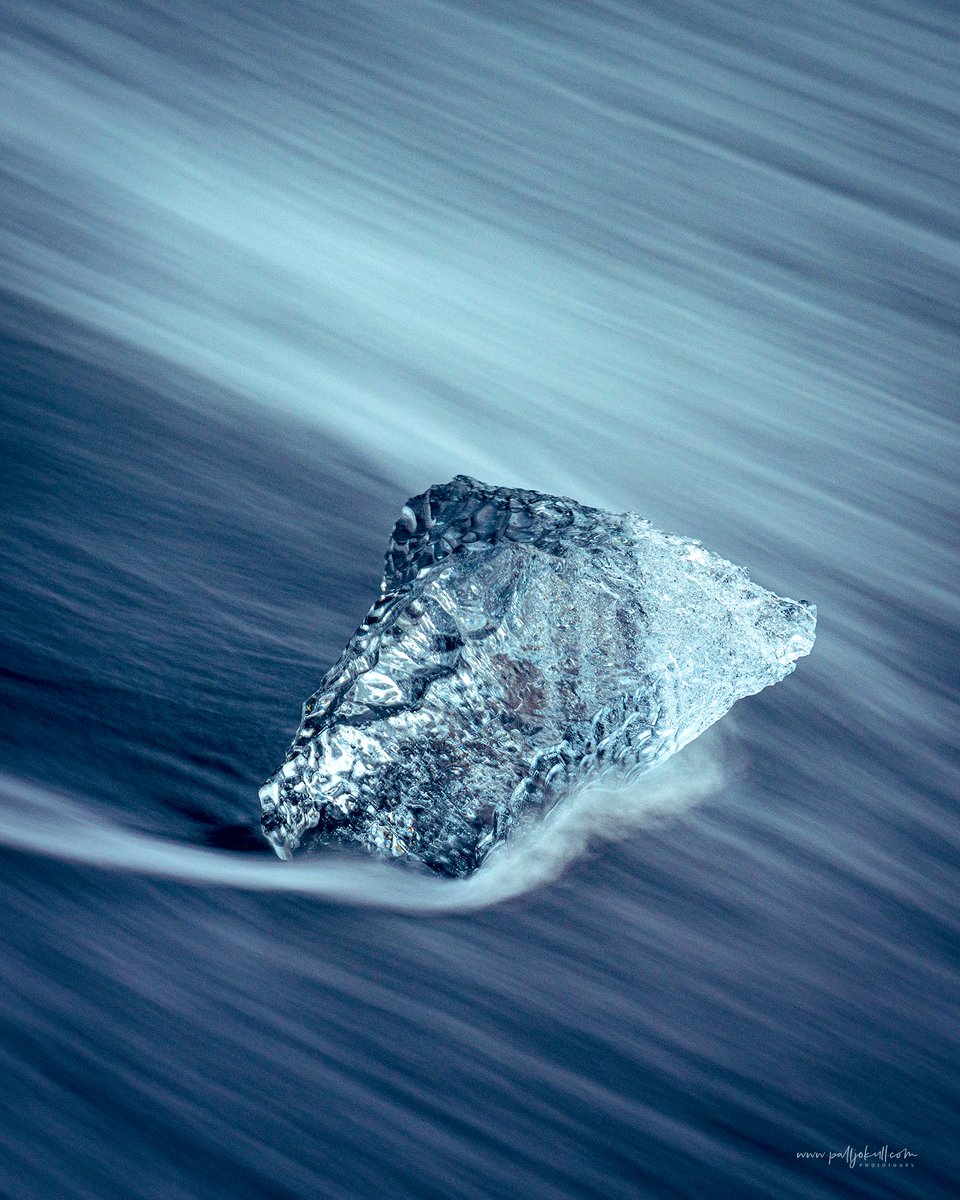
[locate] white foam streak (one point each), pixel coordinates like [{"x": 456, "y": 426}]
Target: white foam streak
[{"x": 40, "y": 821}]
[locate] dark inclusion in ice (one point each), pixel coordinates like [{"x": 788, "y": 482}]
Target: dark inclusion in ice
[{"x": 522, "y": 645}]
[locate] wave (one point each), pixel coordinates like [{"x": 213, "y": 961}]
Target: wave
[
  {"x": 40, "y": 820},
  {"x": 275, "y": 220}
]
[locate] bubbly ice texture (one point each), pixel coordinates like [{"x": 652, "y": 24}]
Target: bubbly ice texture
[{"x": 522, "y": 645}]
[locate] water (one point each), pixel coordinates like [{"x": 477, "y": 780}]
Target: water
[{"x": 266, "y": 273}]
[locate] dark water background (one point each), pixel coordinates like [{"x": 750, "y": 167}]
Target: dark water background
[{"x": 267, "y": 270}]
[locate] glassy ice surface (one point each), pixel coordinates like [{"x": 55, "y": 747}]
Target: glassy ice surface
[{"x": 522, "y": 645}]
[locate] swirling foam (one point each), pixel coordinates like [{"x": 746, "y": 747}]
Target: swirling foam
[{"x": 42, "y": 821}]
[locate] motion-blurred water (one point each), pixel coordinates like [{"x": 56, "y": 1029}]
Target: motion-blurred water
[{"x": 267, "y": 270}]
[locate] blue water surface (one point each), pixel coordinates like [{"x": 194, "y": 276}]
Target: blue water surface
[{"x": 266, "y": 271}]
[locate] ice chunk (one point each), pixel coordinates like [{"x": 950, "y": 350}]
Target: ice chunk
[{"x": 521, "y": 644}]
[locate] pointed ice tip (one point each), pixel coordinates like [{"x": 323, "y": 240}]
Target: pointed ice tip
[
  {"x": 812, "y": 614},
  {"x": 801, "y": 641},
  {"x": 281, "y": 847}
]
